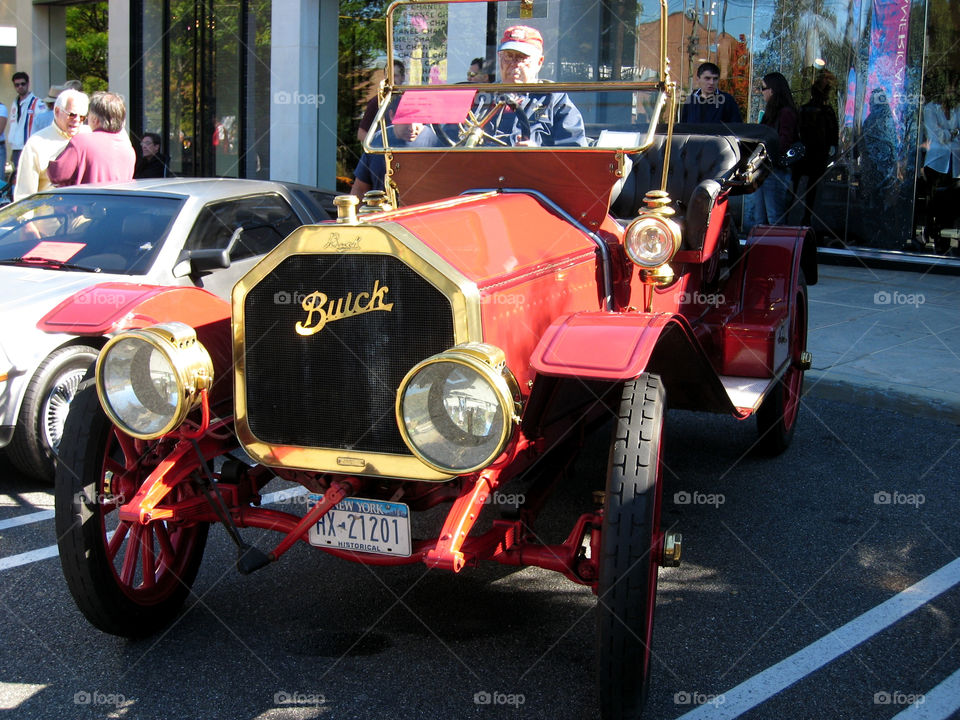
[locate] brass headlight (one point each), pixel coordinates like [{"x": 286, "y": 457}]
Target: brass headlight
[
  {"x": 458, "y": 409},
  {"x": 652, "y": 240},
  {"x": 149, "y": 380}
]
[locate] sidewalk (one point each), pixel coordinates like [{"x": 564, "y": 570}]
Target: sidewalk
[{"x": 886, "y": 338}]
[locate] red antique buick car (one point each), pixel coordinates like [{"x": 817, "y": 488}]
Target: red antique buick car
[{"x": 544, "y": 261}]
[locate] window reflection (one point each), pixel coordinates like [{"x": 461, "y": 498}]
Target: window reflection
[{"x": 206, "y": 84}]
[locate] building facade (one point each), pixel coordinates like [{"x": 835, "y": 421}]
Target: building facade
[{"x": 249, "y": 89}]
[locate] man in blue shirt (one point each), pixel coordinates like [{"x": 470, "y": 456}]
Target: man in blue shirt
[
  {"x": 554, "y": 119},
  {"x": 372, "y": 168},
  {"x": 709, "y": 104}
]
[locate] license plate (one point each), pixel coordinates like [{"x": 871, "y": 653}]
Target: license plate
[{"x": 372, "y": 526}]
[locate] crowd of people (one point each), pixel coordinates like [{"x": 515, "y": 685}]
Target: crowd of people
[
  {"x": 554, "y": 120},
  {"x": 70, "y": 138},
  {"x": 807, "y": 138}
]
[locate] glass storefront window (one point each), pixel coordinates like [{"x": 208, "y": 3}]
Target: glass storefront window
[
  {"x": 258, "y": 103},
  {"x": 152, "y": 55},
  {"x": 882, "y": 73},
  {"x": 223, "y": 55},
  {"x": 937, "y": 221},
  {"x": 181, "y": 48},
  {"x": 205, "y": 84},
  {"x": 870, "y": 63}
]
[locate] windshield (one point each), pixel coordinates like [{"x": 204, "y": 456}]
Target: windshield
[
  {"x": 497, "y": 75},
  {"x": 86, "y": 231}
]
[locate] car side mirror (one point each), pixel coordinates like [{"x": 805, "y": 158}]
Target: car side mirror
[{"x": 205, "y": 261}]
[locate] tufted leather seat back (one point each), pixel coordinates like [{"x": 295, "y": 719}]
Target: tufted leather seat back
[{"x": 698, "y": 164}]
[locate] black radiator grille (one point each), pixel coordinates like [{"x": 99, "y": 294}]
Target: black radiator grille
[{"x": 337, "y": 387}]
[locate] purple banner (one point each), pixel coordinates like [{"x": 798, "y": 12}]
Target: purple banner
[{"x": 887, "y": 66}]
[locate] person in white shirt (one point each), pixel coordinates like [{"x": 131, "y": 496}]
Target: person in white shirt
[
  {"x": 69, "y": 114},
  {"x": 44, "y": 118},
  {"x": 941, "y": 168},
  {"x": 22, "y": 115}
]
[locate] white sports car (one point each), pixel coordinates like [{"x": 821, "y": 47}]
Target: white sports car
[{"x": 174, "y": 231}]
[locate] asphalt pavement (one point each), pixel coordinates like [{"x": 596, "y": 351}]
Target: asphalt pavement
[{"x": 888, "y": 339}]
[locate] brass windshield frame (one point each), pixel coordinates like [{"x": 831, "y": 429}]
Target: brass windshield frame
[{"x": 666, "y": 101}]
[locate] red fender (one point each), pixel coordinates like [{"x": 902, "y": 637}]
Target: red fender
[
  {"x": 106, "y": 309},
  {"x": 620, "y": 346},
  {"x": 755, "y": 342}
]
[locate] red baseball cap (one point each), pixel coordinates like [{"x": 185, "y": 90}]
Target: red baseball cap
[{"x": 522, "y": 39}]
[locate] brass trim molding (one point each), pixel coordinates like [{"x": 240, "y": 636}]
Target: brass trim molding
[{"x": 387, "y": 238}]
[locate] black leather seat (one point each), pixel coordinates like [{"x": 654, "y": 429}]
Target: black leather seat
[{"x": 699, "y": 167}]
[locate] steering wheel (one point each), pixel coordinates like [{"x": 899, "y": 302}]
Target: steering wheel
[{"x": 483, "y": 123}]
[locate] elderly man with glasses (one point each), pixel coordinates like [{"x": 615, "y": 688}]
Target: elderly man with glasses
[
  {"x": 69, "y": 114},
  {"x": 554, "y": 119},
  {"x": 102, "y": 155}
]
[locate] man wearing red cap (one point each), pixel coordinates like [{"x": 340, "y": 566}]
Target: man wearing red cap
[{"x": 554, "y": 119}]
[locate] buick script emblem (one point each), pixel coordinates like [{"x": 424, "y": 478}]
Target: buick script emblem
[
  {"x": 321, "y": 310},
  {"x": 342, "y": 245}
]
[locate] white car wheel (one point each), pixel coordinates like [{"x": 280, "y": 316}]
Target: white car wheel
[{"x": 44, "y": 409}]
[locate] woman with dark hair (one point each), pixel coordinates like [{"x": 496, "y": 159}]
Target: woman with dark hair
[{"x": 768, "y": 204}]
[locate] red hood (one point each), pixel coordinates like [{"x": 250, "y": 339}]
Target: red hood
[{"x": 493, "y": 238}]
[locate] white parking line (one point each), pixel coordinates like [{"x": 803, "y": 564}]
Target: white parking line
[
  {"x": 27, "y": 519},
  {"x": 938, "y": 704},
  {"x": 761, "y": 687},
  {"x": 34, "y": 556},
  {"x": 28, "y": 557},
  {"x": 51, "y": 551},
  {"x": 41, "y": 515}
]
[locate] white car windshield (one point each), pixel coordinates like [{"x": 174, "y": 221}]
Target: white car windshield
[{"x": 95, "y": 232}]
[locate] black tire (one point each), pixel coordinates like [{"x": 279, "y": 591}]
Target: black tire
[
  {"x": 43, "y": 412},
  {"x": 630, "y": 551},
  {"x": 777, "y": 414},
  {"x": 109, "y": 581}
]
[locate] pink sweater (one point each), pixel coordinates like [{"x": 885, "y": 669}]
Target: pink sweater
[{"x": 94, "y": 157}]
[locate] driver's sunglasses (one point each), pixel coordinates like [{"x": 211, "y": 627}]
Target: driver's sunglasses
[
  {"x": 472, "y": 73},
  {"x": 75, "y": 116},
  {"x": 516, "y": 58}
]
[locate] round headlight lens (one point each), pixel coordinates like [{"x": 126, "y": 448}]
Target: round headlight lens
[
  {"x": 148, "y": 380},
  {"x": 141, "y": 385},
  {"x": 652, "y": 242},
  {"x": 456, "y": 412}
]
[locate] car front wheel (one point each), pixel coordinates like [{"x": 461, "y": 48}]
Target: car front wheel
[
  {"x": 630, "y": 551},
  {"x": 128, "y": 579},
  {"x": 44, "y": 410}
]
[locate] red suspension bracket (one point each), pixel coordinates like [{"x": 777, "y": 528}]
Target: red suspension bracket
[
  {"x": 338, "y": 490},
  {"x": 460, "y": 520}
]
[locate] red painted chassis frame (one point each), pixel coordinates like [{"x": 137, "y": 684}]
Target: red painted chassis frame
[{"x": 506, "y": 542}]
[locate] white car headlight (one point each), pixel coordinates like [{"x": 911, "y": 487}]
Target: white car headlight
[
  {"x": 149, "y": 380},
  {"x": 457, "y": 410},
  {"x": 652, "y": 241}
]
